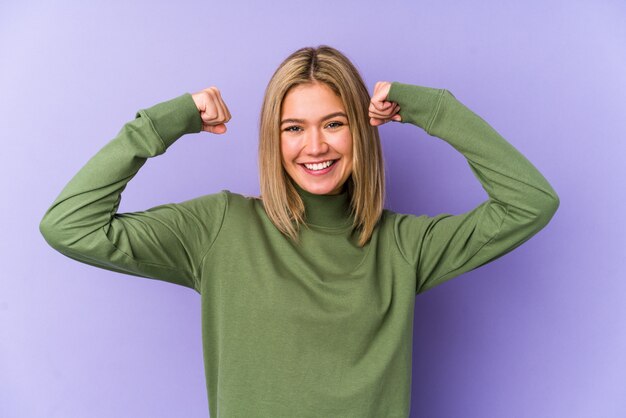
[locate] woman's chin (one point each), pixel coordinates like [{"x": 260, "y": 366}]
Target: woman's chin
[{"x": 321, "y": 189}]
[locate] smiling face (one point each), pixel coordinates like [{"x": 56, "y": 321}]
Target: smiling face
[{"x": 315, "y": 138}]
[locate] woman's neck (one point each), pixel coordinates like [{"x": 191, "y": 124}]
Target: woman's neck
[{"x": 326, "y": 210}]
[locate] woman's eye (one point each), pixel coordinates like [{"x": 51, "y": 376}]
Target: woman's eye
[{"x": 295, "y": 128}]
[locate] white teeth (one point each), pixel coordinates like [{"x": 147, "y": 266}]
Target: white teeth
[{"x": 318, "y": 166}]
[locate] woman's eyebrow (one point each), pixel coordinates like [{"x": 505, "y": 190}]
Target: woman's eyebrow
[{"x": 331, "y": 115}]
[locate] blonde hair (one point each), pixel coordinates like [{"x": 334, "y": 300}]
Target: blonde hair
[{"x": 366, "y": 185}]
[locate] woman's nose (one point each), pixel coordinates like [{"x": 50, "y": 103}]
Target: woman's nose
[{"x": 316, "y": 143}]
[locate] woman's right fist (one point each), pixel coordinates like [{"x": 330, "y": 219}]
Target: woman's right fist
[{"x": 213, "y": 110}]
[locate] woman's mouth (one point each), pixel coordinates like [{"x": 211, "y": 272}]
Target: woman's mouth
[{"x": 319, "y": 168}]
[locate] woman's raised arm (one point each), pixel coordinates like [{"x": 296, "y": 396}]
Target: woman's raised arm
[
  {"x": 521, "y": 201},
  {"x": 166, "y": 242}
]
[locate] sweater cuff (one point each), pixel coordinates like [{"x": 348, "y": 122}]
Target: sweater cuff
[
  {"x": 418, "y": 104},
  {"x": 174, "y": 118}
]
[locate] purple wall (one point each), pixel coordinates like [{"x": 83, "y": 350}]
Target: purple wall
[{"x": 537, "y": 333}]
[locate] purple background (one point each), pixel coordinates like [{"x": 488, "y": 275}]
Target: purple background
[{"x": 537, "y": 333}]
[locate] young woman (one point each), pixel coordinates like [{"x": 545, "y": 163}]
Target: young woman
[{"x": 308, "y": 291}]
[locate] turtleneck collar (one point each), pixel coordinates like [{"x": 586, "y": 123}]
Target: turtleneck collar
[{"x": 326, "y": 210}]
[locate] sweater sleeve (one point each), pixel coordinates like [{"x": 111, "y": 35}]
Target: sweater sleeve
[
  {"x": 521, "y": 201},
  {"x": 165, "y": 242}
]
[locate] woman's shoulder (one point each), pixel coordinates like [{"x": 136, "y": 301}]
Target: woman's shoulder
[
  {"x": 389, "y": 215},
  {"x": 223, "y": 201},
  {"x": 397, "y": 221},
  {"x": 241, "y": 199},
  {"x": 242, "y": 205}
]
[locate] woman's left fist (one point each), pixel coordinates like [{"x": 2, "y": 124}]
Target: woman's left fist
[{"x": 380, "y": 110}]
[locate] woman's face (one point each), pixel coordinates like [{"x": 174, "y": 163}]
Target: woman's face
[{"x": 315, "y": 139}]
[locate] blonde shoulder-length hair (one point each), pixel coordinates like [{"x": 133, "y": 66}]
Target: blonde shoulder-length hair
[{"x": 365, "y": 186}]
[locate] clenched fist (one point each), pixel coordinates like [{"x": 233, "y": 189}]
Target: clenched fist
[
  {"x": 213, "y": 110},
  {"x": 380, "y": 110}
]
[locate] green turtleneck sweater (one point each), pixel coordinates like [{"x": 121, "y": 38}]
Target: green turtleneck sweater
[{"x": 320, "y": 329}]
